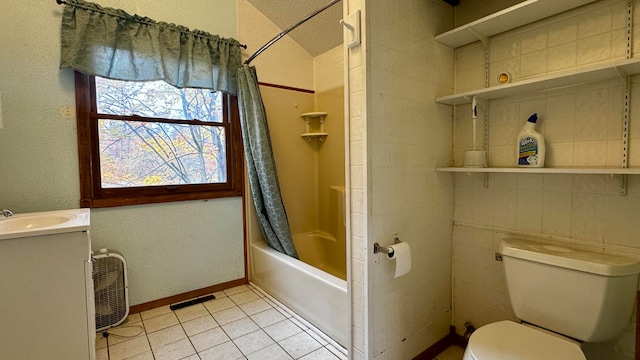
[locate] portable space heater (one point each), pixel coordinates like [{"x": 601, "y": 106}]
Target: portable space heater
[{"x": 111, "y": 289}]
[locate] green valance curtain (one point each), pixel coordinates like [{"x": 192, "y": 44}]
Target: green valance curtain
[{"x": 110, "y": 43}]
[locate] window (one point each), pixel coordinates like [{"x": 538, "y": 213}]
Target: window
[{"x": 149, "y": 142}]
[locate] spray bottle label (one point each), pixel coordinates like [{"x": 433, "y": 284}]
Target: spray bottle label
[{"x": 528, "y": 153}]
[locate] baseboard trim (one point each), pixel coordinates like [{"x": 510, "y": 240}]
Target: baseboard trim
[
  {"x": 441, "y": 345},
  {"x": 186, "y": 296}
]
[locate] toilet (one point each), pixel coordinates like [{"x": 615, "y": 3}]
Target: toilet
[{"x": 563, "y": 297}]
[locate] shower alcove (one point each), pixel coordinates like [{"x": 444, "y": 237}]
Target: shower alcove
[{"x": 311, "y": 173}]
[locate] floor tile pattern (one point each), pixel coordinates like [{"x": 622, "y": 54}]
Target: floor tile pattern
[{"x": 241, "y": 323}]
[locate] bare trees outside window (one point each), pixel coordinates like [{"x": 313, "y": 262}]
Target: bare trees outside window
[{"x": 152, "y": 142}]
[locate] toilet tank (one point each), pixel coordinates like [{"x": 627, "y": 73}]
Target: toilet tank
[{"x": 585, "y": 295}]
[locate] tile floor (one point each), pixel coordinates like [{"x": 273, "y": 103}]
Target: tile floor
[{"x": 241, "y": 323}]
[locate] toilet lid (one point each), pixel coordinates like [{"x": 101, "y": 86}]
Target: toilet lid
[{"x": 507, "y": 340}]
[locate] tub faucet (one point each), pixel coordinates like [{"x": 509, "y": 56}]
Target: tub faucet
[{"x": 7, "y": 213}]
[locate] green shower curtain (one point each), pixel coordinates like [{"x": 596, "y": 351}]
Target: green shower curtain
[{"x": 263, "y": 177}]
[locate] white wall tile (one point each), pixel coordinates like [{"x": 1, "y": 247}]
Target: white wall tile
[
  {"x": 594, "y": 49},
  {"x": 597, "y": 21},
  {"x": 556, "y": 213},
  {"x": 587, "y": 212},
  {"x": 403, "y": 141},
  {"x": 582, "y": 127},
  {"x": 590, "y": 153},
  {"x": 562, "y": 32},
  {"x": 534, "y": 40},
  {"x": 562, "y": 57}
]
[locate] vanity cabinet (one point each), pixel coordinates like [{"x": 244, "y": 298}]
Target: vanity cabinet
[
  {"x": 46, "y": 293},
  {"x": 521, "y": 14}
]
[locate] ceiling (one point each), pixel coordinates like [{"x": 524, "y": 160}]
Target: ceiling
[{"x": 316, "y": 36}]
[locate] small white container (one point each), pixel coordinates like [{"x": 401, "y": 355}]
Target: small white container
[
  {"x": 475, "y": 158},
  {"x": 531, "y": 149}
]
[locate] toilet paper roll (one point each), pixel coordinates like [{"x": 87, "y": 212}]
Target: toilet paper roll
[{"x": 402, "y": 255}]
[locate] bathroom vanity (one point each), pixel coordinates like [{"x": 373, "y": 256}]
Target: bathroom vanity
[{"x": 46, "y": 286}]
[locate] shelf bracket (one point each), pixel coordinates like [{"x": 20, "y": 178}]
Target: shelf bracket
[
  {"x": 629, "y": 29},
  {"x": 625, "y": 121},
  {"x": 623, "y": 185},
  {"x": 622, "y": 75},
  {"x": 486, "y": 140},
  {"x": 479, "y": 36}
]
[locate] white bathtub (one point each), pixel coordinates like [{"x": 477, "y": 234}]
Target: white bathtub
[
  {"x": 317, "y": 296},
  {"x": 322, "y": 251}
]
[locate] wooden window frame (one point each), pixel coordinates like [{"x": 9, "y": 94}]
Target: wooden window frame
[{"x": 92, "y": 195}]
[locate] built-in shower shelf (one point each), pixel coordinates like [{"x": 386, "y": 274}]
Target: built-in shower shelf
[
  {"x": 510, "y": 18},
  {"x": 315, "y": 135},
  {"x": 585, "y": 75},
  {"x": 316, "y": 114},
  {"x": 314, "y": 125}
]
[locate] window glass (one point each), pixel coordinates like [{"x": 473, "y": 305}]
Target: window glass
[
  {"x": 157, "y": 99},
  {"x": 146, "y": 142},
  {"x": 134, "y": 153}
]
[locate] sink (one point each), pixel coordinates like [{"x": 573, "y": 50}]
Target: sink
[
  {"x": 31, "y": 222},
  {"x": 43, "y": 223}
]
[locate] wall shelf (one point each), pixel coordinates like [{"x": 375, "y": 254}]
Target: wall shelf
[
  {"x": 525, "y": 13},
  {"x": 310, "y": 118},
  {"x": 316, "y": 114},
  {"x": 315, "y": 135},
  {"x": 619, "y": 69},
  {"x": 510, "y": 18},
  {"x": 550, "y": 170}
]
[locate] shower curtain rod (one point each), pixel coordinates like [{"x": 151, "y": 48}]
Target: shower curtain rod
[
  {"x": 285, "y": 32},
  {"x": 63, "y": 2}
]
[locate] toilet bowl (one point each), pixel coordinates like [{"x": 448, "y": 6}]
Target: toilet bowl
[
  {"x": 512, "y": 341},
  {"x": 582, "y": 295}
]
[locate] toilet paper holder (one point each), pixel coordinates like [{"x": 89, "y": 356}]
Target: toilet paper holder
[{"x": 377, "y": 248}]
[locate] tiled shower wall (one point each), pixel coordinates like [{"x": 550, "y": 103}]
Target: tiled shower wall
[
  {"x": 356, "y": 178},
  {"x": 582, "y": 127}
]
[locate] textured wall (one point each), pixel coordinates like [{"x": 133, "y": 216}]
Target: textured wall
[
  {"x": 582, "y": 127},
  {"x": 170, "y": 248}
]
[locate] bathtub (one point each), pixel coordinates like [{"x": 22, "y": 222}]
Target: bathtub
[
  {"x": 322, "y": 251},
  {"x": 315, "y": 295}
]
